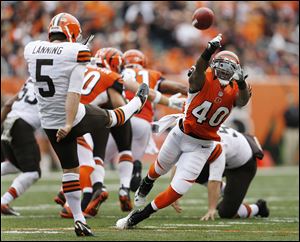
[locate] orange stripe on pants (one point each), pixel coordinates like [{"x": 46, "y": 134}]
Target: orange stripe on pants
[
  {"x": 166, "y": 198},
  {"x": 152, "y": 173},
  {"x": 215, "y": 154}
]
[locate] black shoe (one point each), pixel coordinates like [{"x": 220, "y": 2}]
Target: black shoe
[
  {"x": 142, "y": 93},
  {"x": 141, "y": 193},
  {"x": 125, "y": 201},
  {"x": 82, "y": 229},
  {"x": 60, "y": 199},
  {"x": 145, "y": 188},
  {"x": 136, "y": 177},
  {"x": 99, "y": 196},
  {"x": 263, "y": 210},
  {"x": 135, "y": 217}
]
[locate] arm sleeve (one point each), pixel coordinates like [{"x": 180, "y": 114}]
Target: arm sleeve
[{"x": 76, "y": 79}]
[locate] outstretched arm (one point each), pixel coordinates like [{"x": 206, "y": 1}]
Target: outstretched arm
[
  {"x": 213, "y": 196},
  {"x": 197, "y": 72},
  {"x": 172, "y": 87}
]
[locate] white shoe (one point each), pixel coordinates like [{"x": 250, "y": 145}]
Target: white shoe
[
  {"x": 123, "y": 222},
  {"x": 139, "y": 200}
]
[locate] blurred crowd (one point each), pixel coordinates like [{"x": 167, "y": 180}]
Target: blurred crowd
[{"x": 264, "y": 34}]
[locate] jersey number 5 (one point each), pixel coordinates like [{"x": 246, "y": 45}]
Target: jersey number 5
[
  {"x": 43, "y": 78},
  {"x": 201, "y": 112}
]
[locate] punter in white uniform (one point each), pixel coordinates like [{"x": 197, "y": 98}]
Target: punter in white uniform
[
  {"x": 57, "y": 69},
  {"x": 19, "y": 150}
]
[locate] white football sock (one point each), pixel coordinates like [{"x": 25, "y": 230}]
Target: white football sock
[
  {"x": 24, "y": 181},
  {"x": 20, "y": 184},
  {"x": 125, "y": 168},
  {"x": 7, "y": 198},
  {"x": 72, "y": 192},
  {"x": 247, "y": 211},
  {"x": 120, "y": 115},
  {"x": 98, "y": 174}
]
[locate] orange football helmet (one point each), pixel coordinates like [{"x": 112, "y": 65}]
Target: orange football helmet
[
  {"x": 110, "y": 58},
  {"x": 67, "y": 24},
  {"x": 225, "y": 63},
  {"x": 134, "y": 56}
]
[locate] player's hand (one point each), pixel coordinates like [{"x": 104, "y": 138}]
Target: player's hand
[
  {"x": 215, "y": 43},
  {"x": 63, "y": 132},
  {"x": 176, "y": 206},
  {"x": 239, "y": 75},
  {"x": 176, "y": 102},
  {"x": 209, "y": 215}
]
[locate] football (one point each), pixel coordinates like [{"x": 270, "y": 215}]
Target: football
[{"x": 203, "y": 18}]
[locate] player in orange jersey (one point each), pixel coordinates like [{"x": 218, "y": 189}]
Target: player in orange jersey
[
  {"x": 125, "y": 167},
  {"x": 213, "y": 91},
  {"x": 136, "y": 70}
]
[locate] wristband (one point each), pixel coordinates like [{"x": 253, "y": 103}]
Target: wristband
[
  {"x": 206, "y": 55},
  {"x": 157, "y": 97},
  {"x": 242, "y": 85}
]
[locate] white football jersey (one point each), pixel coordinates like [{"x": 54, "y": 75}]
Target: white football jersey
[
  {"x": 236, "y": 147},
  {"x": 26, "y": 107},
  {"x": 50, "y": 65}
]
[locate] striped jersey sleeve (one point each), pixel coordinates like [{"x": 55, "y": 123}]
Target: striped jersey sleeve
[{"x": 84, "y": 56}]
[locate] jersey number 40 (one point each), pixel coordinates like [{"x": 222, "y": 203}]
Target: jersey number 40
[{"x": 202, "y": 111}]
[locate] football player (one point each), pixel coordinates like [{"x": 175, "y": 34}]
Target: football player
[
  {"x": 57, "y": 69},
  {"x": 140, "y": 130},
  {"x": 241, "y": 154},
  {"x": 18, "y": 144},
  {"x": 136, "y": 70},
  {"x": 213, "y": 91},
  {"x": 103, "y": 87}
]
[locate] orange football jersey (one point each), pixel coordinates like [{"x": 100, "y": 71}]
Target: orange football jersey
[
  {"x": 151, "y": 78},
  {"x": 207, "y": 109},
  {"x": 96, "y": 82}
]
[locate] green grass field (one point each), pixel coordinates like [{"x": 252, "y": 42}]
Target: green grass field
[{"x": 40, "y": 219}]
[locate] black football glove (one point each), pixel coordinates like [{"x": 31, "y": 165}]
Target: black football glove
[{"x": 212, "y": 46}]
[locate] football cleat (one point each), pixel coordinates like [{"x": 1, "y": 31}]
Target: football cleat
[
  {"x": 7, "y": 210},
  {"x": 66, "y": 212},
  {"x": 263, "y": 210},
  {"x": 82, "y": 229},
  {"x": 136, "y": 177},
  {"x": 60, "y": 199},
  {"x": 126, "y": 223},
  {"x": 142, "y": 93},
  {"x": 124, "y": 197},
  {"x": 99, "y": 196},
  {"x": 141, "y": 193}
]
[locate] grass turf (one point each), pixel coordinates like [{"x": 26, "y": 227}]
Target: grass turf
[{"x": 40, "y": 220}]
